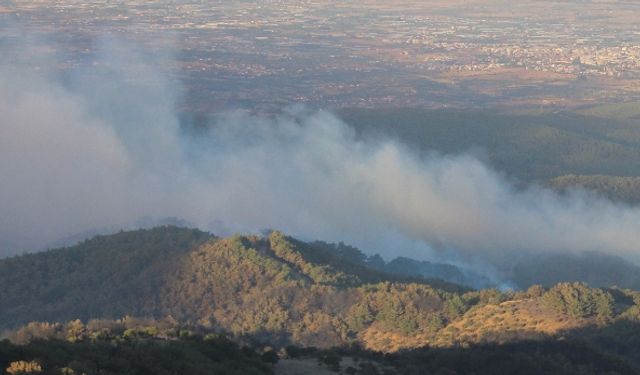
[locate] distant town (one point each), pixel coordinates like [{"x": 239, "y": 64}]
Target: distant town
[{"x": 265, "y": 55}]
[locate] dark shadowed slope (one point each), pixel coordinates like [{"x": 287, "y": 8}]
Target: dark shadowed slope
[{"x": 106, "y": 276}]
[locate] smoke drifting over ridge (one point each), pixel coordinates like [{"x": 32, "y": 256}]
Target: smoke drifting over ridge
[{"x": 104, "y": 147}]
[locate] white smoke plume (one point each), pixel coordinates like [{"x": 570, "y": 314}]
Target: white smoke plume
[{"x": 104, "y": 147}]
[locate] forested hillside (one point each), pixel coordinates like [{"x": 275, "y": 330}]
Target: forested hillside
[
  {"x": 283, "y": 290},
  {"x": 275, "y": 287},
  {"x": 278, "y": 291},
  {"x": 625, "y": 189},
  {"x": 107, "y": 276},
  {"x": 595, "y": 148}
]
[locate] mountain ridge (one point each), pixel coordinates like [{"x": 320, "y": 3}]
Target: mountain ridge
[{"x": 282, "y": 290}]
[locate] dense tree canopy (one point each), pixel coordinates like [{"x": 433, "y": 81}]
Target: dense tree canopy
[{"x": 186, "y": 286}]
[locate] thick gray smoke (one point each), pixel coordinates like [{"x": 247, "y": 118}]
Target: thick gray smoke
[{"x": 103, "y": 148}]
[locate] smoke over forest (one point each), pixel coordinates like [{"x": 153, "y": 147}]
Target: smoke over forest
[{"x": 103, "y": 148}]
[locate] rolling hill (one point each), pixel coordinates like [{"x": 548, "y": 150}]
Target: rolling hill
[
  {"x": 279, "y": 289},
  {"x": 274, "y": 286}
]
